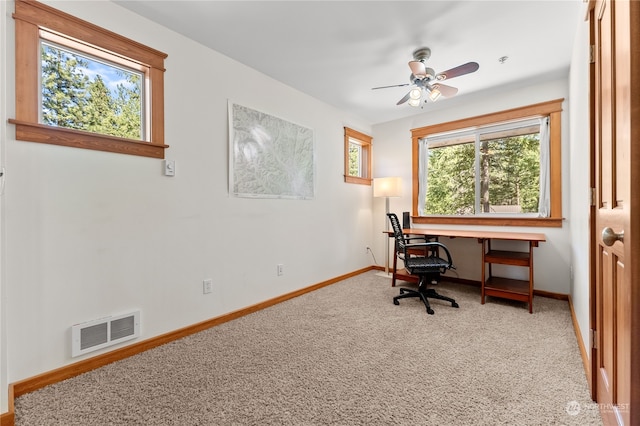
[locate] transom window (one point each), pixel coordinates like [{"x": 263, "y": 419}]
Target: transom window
[
  {"x": 496, "y": 169},
  {"x": 357, "y": 157}
]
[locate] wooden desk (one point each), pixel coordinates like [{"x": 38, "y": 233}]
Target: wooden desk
[{"x": 490, "y": 286}]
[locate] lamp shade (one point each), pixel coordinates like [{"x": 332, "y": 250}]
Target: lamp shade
[{"x": 387, "y": 187}]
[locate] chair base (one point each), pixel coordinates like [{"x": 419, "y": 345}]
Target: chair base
[{"x": 423, "y": 293}]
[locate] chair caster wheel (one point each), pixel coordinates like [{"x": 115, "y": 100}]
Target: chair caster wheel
[
  {"x": 455, "y": 305},
  {"x": 395, "y": 302},
  {"x": 430, "y": 311}
]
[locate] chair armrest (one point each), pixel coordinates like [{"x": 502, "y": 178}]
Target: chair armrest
[
  {"x": 424, "y": 238},
  {"x": 431, "y": 244}
]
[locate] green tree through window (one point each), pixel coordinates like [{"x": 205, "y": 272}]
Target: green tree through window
[
  {"x": 108, "y": 103},
  {"x": 451, "y": 180},
  {"x": 355, "y": 154},
  {"x": 473, "y": 172}
]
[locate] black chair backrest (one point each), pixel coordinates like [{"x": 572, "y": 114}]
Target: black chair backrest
[
  {"x": 433, "y": 259},
  {"x": 397, "y": 232}
]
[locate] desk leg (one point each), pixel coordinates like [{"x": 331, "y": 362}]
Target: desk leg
[
  {"x": 530, "y": 277},
  {"x": 482, "y": 278},
  {"x": 395, "y": 267}
]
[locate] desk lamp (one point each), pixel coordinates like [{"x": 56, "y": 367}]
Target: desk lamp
[{"x": 387, "y": 187}]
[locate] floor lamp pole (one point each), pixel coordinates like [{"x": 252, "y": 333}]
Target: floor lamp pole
[
  {"x": 387, "y": 187},
  {"x": 386, "y": 239}
]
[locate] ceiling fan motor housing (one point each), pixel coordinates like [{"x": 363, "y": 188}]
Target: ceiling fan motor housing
[{"x": 422, "y": 54}]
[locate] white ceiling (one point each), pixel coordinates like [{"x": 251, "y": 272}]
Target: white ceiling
[{"x": 336, "y": 51}]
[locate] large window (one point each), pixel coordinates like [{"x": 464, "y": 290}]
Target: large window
[
  {"x": 357, "y": 157},
  {"x": 80, "y": 85},
  {"x": 502, "y": 168},
  {"x": 488, "y": 170}
]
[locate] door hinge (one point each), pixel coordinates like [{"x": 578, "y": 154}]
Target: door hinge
[
  {"x": 593, "y": 336},
  {"x": 592, "y": 54},
  {"x": 593, "y": 196}
]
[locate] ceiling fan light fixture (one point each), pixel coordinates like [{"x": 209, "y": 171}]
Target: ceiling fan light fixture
[
  {"x": 435, "y": 94},
  {"x": 414, "y": 102},
  {"x": 415, "y": 93}
]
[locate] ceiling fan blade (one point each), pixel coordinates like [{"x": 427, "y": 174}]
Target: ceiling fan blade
[
  {"x": 446, "y": 91},
  {"x": 463, "y": 69},
  {"x": 418, "y": 69},
  {"x": 404, "y": 99},
  {"x": 394, "y": 85}
]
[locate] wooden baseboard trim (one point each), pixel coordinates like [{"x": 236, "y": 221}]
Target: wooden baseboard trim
[
  {"x": 583, "y": 350},
  {"x": 550, "y": 294},
  {"x": 476, "y": 283},
  {"x": 8, "y": 418},
  {"x": 54, "y": 376}
]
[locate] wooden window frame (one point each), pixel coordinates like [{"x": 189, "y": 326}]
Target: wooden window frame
[
  {"x": 365, "y": 142},
  {"x": 553, "y": 109},
  {"x": 30, "y": 17}
]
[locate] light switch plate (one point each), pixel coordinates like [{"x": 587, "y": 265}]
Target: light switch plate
[{"x": 169, "y": 167}]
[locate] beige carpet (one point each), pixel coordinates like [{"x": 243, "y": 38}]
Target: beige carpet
[{"x": 344, "y": 355}]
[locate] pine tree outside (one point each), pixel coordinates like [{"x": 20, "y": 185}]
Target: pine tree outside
[
  {"x": 355, "y": 155},
  {"x": 83, "y": 93},
  {"x": 503, "y": 177}
]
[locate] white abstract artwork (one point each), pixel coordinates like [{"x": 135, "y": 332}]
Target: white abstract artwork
[{"x": 269, "y": 157}]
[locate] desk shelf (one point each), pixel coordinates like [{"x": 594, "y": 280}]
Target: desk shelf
[
  {"x": 516, "y": 258},
  {"x": 507, "y": 288}
]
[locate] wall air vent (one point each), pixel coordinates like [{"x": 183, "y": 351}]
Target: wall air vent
[{"x": 97, "y": 334}]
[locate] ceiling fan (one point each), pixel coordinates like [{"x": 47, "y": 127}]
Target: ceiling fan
[{"x": 427, "y": 82}]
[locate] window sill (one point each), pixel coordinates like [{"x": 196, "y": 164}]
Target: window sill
[
  {"x": 35, "y": 132},
  {"x": 358, "y": 180},
  {"x": 546, "y": 222}
]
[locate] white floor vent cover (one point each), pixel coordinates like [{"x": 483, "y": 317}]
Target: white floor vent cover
[{"x": 97, "y": 334}]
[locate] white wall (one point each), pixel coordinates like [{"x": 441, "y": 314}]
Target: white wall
[
  {"x": 392, "y": 156},
  {"x": 88, "y": 234},
  {"x": 3, "y": 137},
  {"x": 579, "y": 178}
]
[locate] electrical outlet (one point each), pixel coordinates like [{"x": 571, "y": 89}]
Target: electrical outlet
[
  {"x": 207, "y": 286},
  {"x": 280, "y": 269}
]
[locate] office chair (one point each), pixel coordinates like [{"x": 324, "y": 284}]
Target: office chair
[{"x": 427, "y": 266}]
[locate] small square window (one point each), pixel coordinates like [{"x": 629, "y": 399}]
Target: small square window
[{"x": 357, "y": 157}]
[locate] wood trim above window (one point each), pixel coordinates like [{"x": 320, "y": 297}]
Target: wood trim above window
[{"x": 30, "y": 17}]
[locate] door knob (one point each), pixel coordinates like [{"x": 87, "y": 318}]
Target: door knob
[{"x": 609, "y": 236}]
